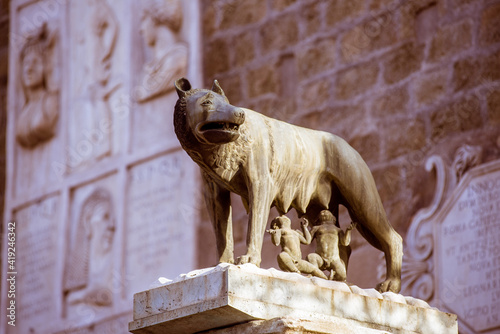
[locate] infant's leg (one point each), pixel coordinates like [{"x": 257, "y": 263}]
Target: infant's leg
[{"x": 286, "y": 263}]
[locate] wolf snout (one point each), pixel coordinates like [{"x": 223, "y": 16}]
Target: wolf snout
[{"x": 239, "y": 115}]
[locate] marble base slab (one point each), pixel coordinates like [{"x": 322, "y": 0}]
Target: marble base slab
[
  {"x": 291, "y": 325},
  {"x": 229, "y": 295}
]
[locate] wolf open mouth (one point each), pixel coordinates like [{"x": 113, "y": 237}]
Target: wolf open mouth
[
  {"x": 219, "y": 126},
  {"x": 219, "y": 132}
]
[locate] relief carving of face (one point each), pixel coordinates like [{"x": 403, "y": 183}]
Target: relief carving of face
[
  {"x": 102, "y": 226},
  {"x": 32, "y": 70}
]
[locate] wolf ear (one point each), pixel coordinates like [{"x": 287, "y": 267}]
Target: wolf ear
[
  {"x": 216, "y": 88},
  {"x": 182, "y": 85}
]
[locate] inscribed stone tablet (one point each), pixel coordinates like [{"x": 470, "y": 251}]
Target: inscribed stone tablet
[
  {"x": 468, "y": 251},
  {"x": 37, "y": 251},
  {"x": 161, "y": 220}
]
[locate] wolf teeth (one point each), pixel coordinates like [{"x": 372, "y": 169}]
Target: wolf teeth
[{"x": 220, "y": 126}]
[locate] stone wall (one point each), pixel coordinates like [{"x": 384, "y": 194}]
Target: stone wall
[
  {"x": 99, "y": 194},
  {"x": 399, "y": 80}
]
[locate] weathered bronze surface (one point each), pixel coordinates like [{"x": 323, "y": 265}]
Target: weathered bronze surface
[{"x": 272, "y": 163}]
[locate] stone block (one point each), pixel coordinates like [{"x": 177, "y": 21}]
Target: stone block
[
  {"x": 282, "y": 109},
  {"x": 494, "y": 107},
  {"x": 418, "y": 19},
  {"x": 291, "y": 325},
  {"x": 426, "y": 22},
  {"x": 316, "y": 59},
  {"x": 379, "y": 4},
  {"x": 474, "y": 71},
  {"x": 356, "y": 80},
  {"x": 368, "y": 145},
  {"x": 311, "y": 17},
  {"x": 340, "y": 119},
  {"x": 490, "y": 69},
  {"x": 489, "y": 32},
  {"x": 243, "y": 48},
  {"x": 281, "y": 4},
  {"x": 450, "y": 40},
  {"x": 392, "y": 102},
  {"x": 315, "y": 94},
  {"x": 400, "y": 208},
  {"x": 402, "y": 62},
  {"x": 389, "y": 181},
  {"x": 229, "y": 295},
  {"x": 279, "y": 33},
  {"x": 208, "y": 18},
  {"x": 216, "y": 59},
  {"x": 431, "y": 86},
  {"x": 338, "y": 10},
  {"x": 239, "y": 12},
  {"x": 399, "y": 142},
  {"x": 262, "y": 80},
  {"x": 460, "y": 116},
  {"x": 374, "y": 34},
  {"x": 287, "y": 69},
  {"x": 459, "y": 3},
  {"x": 337, "y": 119},
  {"x": 232, "y": 88},
  {"x": 466, "y": 73}
]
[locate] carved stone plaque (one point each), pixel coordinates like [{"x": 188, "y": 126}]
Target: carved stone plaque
[
  {"x": 91, "y": 258},
  {"x": 88, "y": 159},
  {"x": 97, "y": 56},
  {"x": 37, "y": 249},
  {"x": 36, "y": 105},
  {"x": 161, "y": 56},
  {"x": 160, "y": 222},
  {"x": 467, "y": 247}
]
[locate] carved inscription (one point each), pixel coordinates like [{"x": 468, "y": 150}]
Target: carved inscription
[
  {"x": 159, "y": 232},
  {"x": 37, "y": 244},
  {"x": 470, "y": 254}
]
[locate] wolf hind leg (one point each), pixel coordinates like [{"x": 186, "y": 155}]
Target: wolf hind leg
[{"x": 391, "y": 243}]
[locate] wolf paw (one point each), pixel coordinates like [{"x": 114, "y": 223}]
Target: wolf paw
[
  {"x": 249, "y": 259},
  {"x": 226, "y": 259},
  {"x": 391, "y": 284}
]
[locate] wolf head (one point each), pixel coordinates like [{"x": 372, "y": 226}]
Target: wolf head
[{"x": 207, "y": 114}]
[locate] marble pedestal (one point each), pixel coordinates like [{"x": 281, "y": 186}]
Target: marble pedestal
[{"x": 246, "y": 299}]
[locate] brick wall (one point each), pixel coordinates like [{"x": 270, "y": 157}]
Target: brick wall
[{"x": 399, "y": 80}]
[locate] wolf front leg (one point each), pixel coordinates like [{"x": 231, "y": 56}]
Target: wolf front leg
[
  {"x": 260, "y": 203},
  {"x": 218, "y": 202}
]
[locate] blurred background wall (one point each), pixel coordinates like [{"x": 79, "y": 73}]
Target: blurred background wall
[{"x": 399, "y": 80}]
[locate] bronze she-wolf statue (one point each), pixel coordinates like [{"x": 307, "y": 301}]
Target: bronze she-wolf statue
[{"x": 272, "y": 163}]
